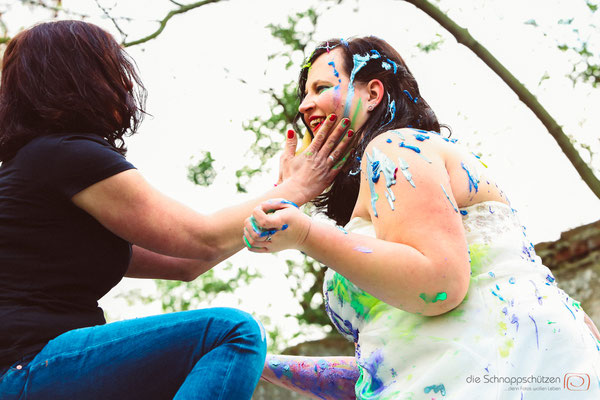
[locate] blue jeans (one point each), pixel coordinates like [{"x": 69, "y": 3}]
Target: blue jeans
[{"x": 215, "y": 353}]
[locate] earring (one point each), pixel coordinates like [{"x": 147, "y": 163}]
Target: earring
[{"x": 370, "y": 108}]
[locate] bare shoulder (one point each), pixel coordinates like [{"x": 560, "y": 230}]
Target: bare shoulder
[{"x": 404, "y": 183}]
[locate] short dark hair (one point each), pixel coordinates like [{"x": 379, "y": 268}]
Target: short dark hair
[
  {"x": 67, "y": 77},
  {"x": 402, "y": 106}
]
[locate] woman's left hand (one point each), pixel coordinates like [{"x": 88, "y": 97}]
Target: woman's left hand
[{"x": 275, "y": 225}]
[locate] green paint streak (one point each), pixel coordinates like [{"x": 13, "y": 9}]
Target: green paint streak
[
  {"x": 308, "y": 153},
  {"x": 341, "y": 162},
  {"x": 434, "y": 299},
  {"x": 478, "y": 253},
  {"x": 358, "y": 106},
  {"x": 360, "y": 301}
]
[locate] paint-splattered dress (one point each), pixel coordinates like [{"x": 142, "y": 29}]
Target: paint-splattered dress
[{"x": 515, "y": 336}]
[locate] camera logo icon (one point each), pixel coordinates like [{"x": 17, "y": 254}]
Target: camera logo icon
[{"x": 576, "y": 382}]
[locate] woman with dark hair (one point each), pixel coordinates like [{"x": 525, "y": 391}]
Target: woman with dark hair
[
  {"x": 433, "y": 277},
  {"x": 76, "y": 216}
]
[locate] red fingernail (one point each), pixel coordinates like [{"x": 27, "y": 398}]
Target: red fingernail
[
  {"x": 332, "y": 117},
  {"x": 350, "y": 133},
  {"x": 345, "y": 122},
  {"x": 291, "y": 134}
]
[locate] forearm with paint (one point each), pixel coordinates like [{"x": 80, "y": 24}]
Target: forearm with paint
[{"x": 326, "y": 378}]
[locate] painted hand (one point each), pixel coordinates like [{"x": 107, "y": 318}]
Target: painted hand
[
  {"x": 275, "y": 225},
  {"x": 313, "y": 170}
]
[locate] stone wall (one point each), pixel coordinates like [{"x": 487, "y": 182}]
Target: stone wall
[{"x": 575, "y": 263}]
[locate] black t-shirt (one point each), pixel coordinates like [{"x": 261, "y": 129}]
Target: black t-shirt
[{"x": 56, "y": 261}]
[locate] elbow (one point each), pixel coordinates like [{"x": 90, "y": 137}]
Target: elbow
[{"x": 448, "y": 298}]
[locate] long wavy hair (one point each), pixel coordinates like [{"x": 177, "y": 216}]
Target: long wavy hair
[
  {"x": 67, "y": 77},
  {"x": 402, "y": 106}
]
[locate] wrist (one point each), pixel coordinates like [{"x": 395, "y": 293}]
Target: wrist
[{"x": 294, "y": 191}]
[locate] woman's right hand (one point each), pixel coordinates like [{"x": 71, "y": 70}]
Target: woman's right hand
[{"x": 313, "y": 170}]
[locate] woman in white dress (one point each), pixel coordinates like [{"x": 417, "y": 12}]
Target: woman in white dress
[{"x": 433, "y": 278}]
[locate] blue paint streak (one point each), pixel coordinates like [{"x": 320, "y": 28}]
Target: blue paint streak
[
  {"x": 448, "y": 197},
  {"x": 372, "y": 177},
  {"x": 284, "y": 227},
  {"x": 421, "y": 137},
  {"x": 436, "y": 388},
  {"x": 537, "y": 293},
  {"x": 515, "y": 320},
  {"x": 571, "y": 311},
  {"x": 463, "y": 212},
  {"x": 386, "y": 66},
  {"x": 473, "y": 181},
  {"x": 404, "y": 169},
  {"x": 413, "y": 148},
  {"x": 289, "y": 202},
  {"x": 359, "y": 62},
  {"x": 536, "y": 332},
  {"x": 394, "y": 64}
]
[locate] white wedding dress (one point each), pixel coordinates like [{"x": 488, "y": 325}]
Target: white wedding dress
[{"x": 516, "y": 335}]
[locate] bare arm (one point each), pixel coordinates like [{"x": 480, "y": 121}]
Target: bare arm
[
  {"x": 173, "y": 234},
  {"x": 419, "y": 261},
  {"x": 330, "y": 378}
]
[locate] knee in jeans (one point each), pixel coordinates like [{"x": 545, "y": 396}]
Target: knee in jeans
[{"x": 246, "y": 325}]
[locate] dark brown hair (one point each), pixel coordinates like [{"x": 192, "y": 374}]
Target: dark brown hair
[
  {"x": 67, "y": 77},
  {"x": 402, "y": 106}
]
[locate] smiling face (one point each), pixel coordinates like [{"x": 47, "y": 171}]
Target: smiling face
[{"x": 329, "y": 90}]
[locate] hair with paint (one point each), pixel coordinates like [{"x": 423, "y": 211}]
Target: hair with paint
[
  {"x": 67, "y": 77},
  {"x": 402, "y": 106}
]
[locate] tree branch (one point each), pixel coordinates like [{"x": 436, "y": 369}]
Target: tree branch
[
  {"x": 464, "y": 37},
  {"x": 163, "y": 22},
  {"x": 4, "y": 40}
]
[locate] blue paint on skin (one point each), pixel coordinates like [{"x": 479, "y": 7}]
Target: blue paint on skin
[
  {"x": 343, "y": 230},
  {"x": 284, "y": 227},
  {"x": 473, "y": 181},
  {"x": 537, "y": 338},
  {"x": 448, "y": 197},
  {"x": 404, "y": 168},
  {"x": 400, "y": 135},
  {"x": 289, "y": 202},
  {"x": 388, "y": 169},
  {"x": 436, "y": 388},
  {"x": 463, "y": 212},
  {"x": 421, "y": 137},
  {"x": 372, "y": 177},
  {"x": 388, "y": 141},
  {"x": 413, "y": 148}
]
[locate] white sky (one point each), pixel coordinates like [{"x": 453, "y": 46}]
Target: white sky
[{"x": 197, "y": 105}]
